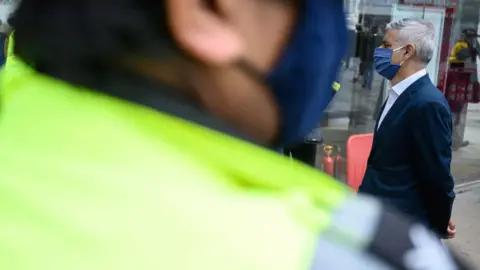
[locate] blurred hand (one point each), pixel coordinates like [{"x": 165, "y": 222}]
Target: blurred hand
[{"x": 451, "y": 230}]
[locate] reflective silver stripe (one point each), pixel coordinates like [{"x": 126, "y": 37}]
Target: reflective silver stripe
[
  {"x": 343, "y": 245},
  {"x": 334, "y": 256}
]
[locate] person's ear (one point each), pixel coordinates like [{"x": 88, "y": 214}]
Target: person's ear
[
  {"x": 410, "y": 51},
  {"x": 199, "y": 28}
]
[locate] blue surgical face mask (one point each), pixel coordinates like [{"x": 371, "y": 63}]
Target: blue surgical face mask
[
  {"x": 382, "y": 58},
  {"x": 301, "y": 81}
]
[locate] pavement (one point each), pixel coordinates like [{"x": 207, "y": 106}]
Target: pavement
[
  {"x": 466, "y": 214},
  {"x": 466, "y": 161}
]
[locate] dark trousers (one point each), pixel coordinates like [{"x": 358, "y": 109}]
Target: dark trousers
[
  {"x": 304, "y": 152},
  {"x": 368, "y": 73}
]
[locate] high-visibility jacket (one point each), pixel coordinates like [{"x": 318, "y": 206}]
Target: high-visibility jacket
[
  {"x": 10, "y": 57},
  {"x": 457, "y": 48},
  {"x": 12, "y": 64},
  {"x": 12, "y": 61},
  {"x": 89, "y": 181}
]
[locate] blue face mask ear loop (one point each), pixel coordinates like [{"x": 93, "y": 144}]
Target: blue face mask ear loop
[{"x": 397, "y": 49}]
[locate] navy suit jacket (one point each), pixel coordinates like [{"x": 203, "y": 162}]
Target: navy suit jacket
[{"x": 409, "y": 164}]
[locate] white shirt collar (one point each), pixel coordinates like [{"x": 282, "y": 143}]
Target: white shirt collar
[{"x": 400, "y": 87}]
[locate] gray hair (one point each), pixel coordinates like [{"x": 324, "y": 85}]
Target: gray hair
[{"x": 420, "y": 33}]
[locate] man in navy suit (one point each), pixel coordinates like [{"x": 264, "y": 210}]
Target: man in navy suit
[{"x": 409, "y": 164}]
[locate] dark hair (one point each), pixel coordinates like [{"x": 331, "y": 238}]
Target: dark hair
[{"x": 80, "y": 41}]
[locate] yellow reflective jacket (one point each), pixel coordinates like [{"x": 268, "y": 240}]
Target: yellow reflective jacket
[
  {"x": 459, "y": 46},
  {"x": 12, "y": 64},
  {"x": 10, "y": 45}
]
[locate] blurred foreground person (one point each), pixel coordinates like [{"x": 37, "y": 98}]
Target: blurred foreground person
[{"x": 137, "y": 142}]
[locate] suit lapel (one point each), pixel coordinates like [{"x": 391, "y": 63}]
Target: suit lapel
[
  {"x": 394, "y": 111},
  {"x": 396, "y": 108},
  {"x": 380, "y": 115},
  {"x": 376, "y": 124},
  {"x": 402, "y": 100}
]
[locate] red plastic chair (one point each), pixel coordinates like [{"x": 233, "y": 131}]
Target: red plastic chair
[{"x": 358, "y": 150}]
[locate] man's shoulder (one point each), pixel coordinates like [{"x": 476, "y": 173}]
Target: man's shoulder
[
  {"x": 428, "y": 95},
  {"x": 427, "y": 102}
]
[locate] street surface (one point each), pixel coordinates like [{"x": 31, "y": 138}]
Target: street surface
[{"x": 466, "y": 215}]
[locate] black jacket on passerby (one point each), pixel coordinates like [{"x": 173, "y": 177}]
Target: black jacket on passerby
[{"x": 369, "y": 43}]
